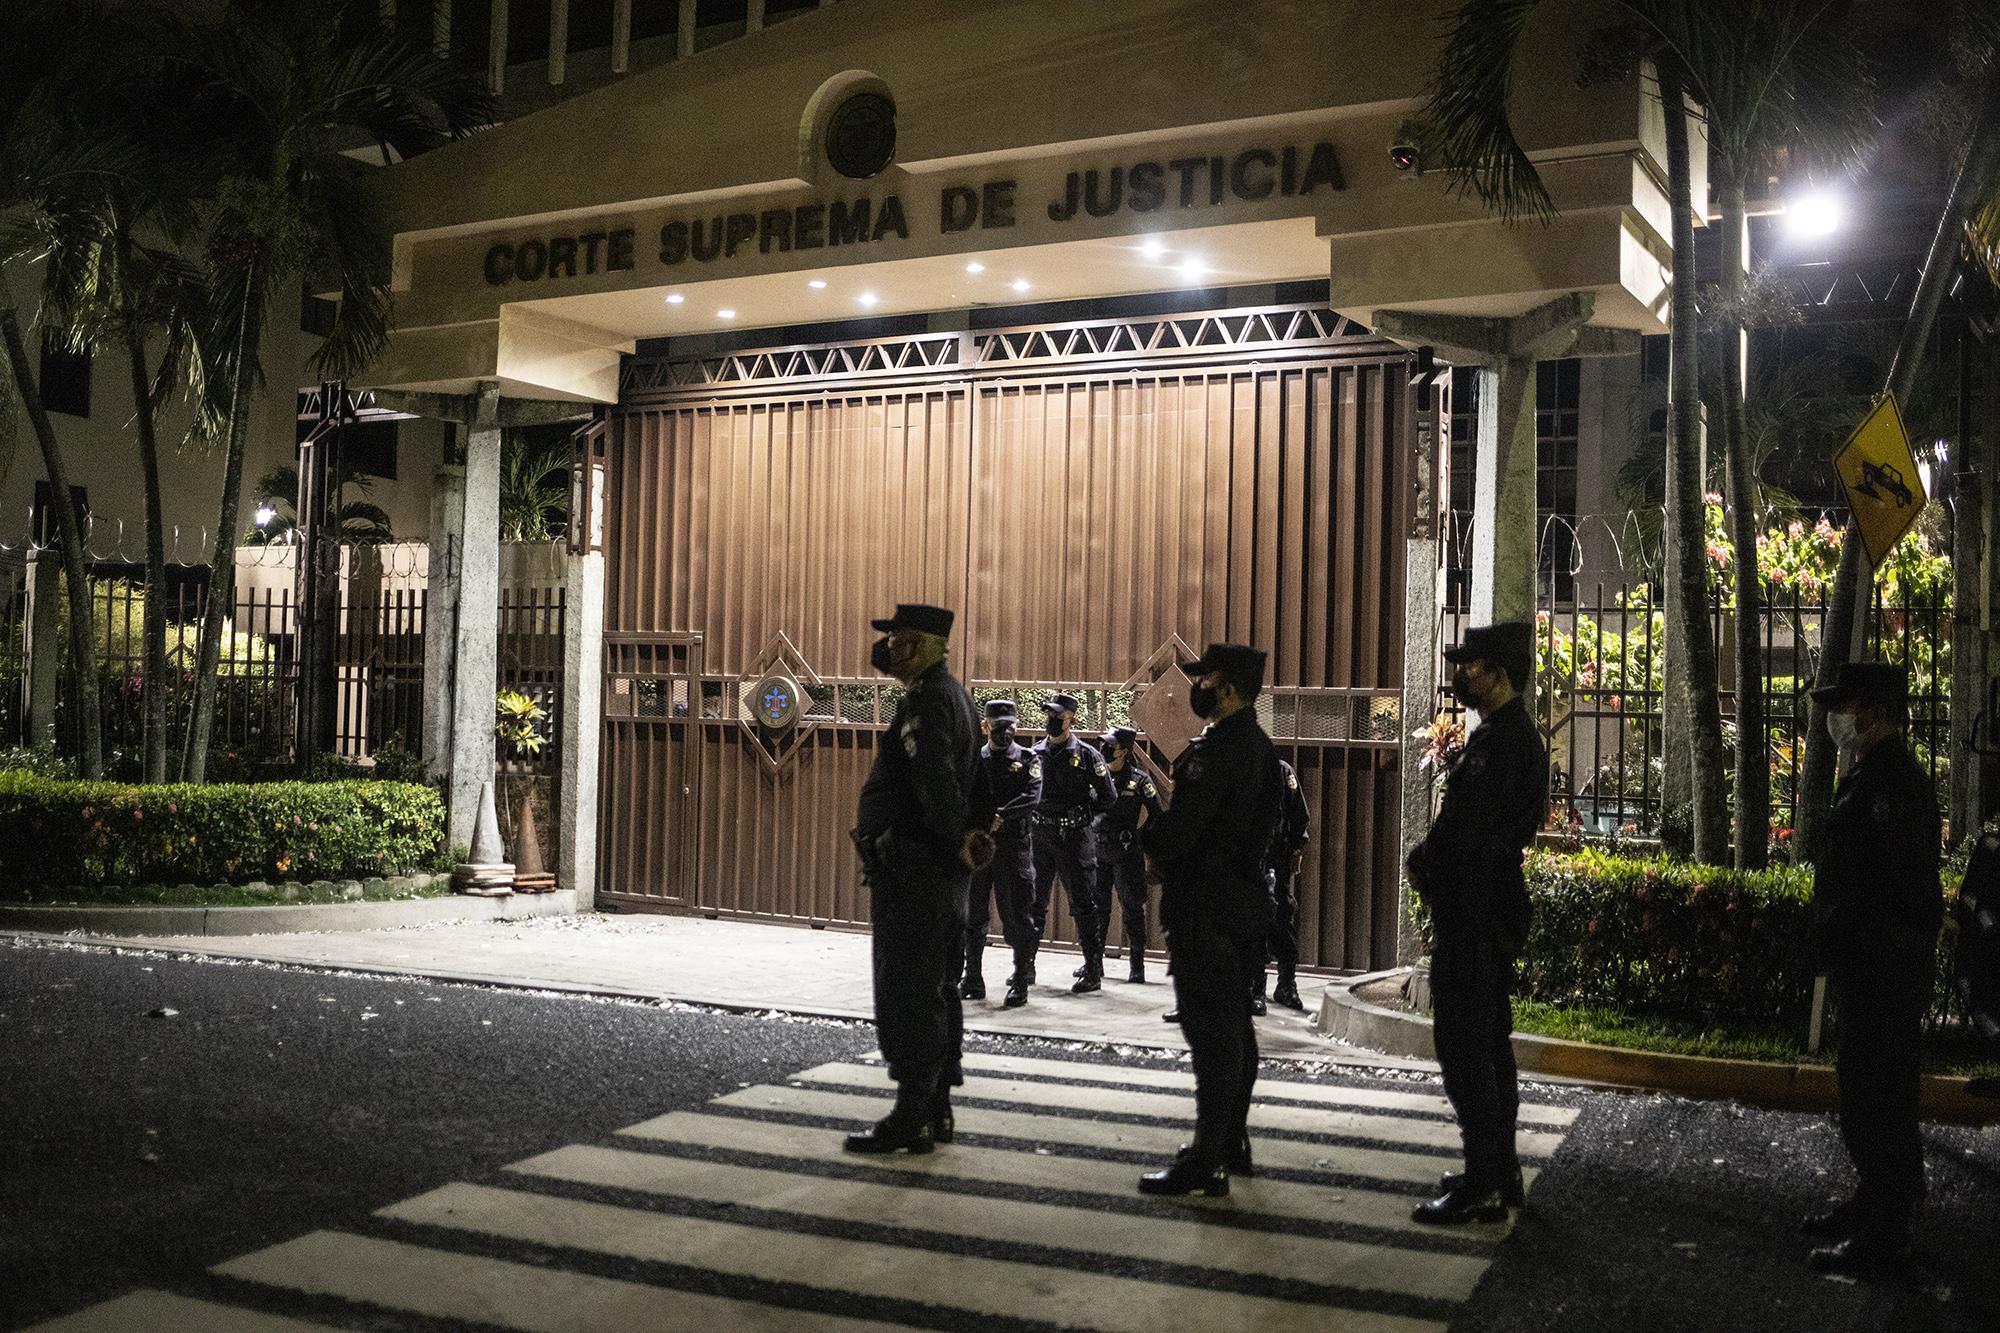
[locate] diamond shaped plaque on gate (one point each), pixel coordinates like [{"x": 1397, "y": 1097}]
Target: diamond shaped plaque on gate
[
  {"x": 1161, "y": 709},
  {"x": 774, "y": 704}
]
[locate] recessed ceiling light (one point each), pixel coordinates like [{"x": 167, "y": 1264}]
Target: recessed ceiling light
[
  {"x": 975, "y": 267},
  {"x": 1153, "y": 247},
  {"x": 725, "y": 314},
  {"x": 817, "y": 283},
  {"x": 675, "y": 298},
  {"x": 1193, "y": 270},
  {"x": 867, "y": 298},
  {"x": 1019, "y": 284}
]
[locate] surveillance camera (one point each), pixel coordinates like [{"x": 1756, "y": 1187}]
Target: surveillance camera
[{"x": 1406, "y": 159}]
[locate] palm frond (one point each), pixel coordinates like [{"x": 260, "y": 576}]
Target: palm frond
[{"x": 1466, "y": 126}]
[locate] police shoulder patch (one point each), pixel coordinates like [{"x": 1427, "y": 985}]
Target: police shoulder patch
[
  {"x": 1292, "y": 781},
  {"x": 1034, "y": 769},
  {"x": 1192, "y": 768},
  {"x": 910, "y": 746},
  {"x": 1102, "y": 771}
]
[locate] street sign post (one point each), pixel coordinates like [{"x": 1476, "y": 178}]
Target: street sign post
[{"x": 1878, "y": 472}]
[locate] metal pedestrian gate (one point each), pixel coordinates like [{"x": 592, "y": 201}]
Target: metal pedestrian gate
[{"x": 1093, "y": 498}]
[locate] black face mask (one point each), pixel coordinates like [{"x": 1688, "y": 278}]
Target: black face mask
[
  {"x": 1461, "y": 688},
  {"x": 1058, "y": 726},
  {"x": 1001, "y": 737},
  {"x": 1201, "y": 698},
  {"x": 879, "y": 658}
]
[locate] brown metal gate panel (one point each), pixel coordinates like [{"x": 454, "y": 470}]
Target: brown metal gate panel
[{"x": 1082, "y": 514}]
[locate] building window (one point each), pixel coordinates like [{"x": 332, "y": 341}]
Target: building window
[
  {"x": 370, "y": 447},
  {"x": 65, "y": 380},
  {"x": 1464, "y": 447},
  {"x": 1557, "y": 394}
]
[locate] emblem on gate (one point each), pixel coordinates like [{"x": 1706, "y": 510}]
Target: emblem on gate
[{"x": 777, "y": 701}]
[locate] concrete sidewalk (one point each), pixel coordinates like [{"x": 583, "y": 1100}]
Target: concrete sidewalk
[{"x": 750, "y": 966}]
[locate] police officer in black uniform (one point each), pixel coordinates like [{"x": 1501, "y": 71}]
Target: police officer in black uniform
[
  {"x": 1879, "y": 907},
  {"x": 1210, "y": 849},
  {"x": 1014, "y": 780},
  {"x": 921, "y": 828},
  {"x": 1076, "y": 789},
  {"x": 1468, "y": 872},
  {"x": 1287, "y": 850},
  {"x": 1120, "y": 859}
]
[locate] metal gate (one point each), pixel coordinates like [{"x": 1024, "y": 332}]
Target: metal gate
[{"x": 1092, "y": 497}]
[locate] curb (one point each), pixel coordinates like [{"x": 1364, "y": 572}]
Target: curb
[
  {"x": 1346, "y": 1016},
  {"x": 276, "y": 919}
]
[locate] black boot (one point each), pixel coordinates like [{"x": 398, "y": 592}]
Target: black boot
[
  {"x": 1092, "y": 977},
  {"x": 1186, "y": 1175},
  {"x": 1239, "y": 1163},
  {"x": 1467, "y": 1203},
  {"x": 1287, "y": 992},
  {"x": 973, "y": 987},
  {"x": 941, "y": 1124},
  {"x": 1024, "y": 977},
  {"x": 1513, "y": 1192},
  {"x": 1137, "y": 974},
  {"x": 907, "y": 1127}
]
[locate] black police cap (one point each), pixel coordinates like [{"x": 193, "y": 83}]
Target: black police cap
[
  {"x": 1236, "y": 659},
  {"x": 1510, "y": 644},
  {"x": 998, "y": 708},
  {"x": 923, "y": 619},
  {"x": 1060, "y": 703},
  {"x": 1872, "y": 682},
  {"x": 1122, "y": 737}
]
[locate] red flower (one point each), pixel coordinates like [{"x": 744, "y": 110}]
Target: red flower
[{"x": 1592, "y": 928}]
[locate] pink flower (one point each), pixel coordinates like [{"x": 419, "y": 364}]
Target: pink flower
[{"x": 1594, "y": 926}]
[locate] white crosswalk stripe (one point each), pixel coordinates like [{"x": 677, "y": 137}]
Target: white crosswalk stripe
[{"x": 746, "y": 1215}]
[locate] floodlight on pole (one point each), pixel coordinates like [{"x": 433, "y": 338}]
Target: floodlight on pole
[{"x": 1815, "y": 213}]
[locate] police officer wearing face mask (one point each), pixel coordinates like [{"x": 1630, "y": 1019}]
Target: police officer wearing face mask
[
  {"x": 1119, "y": 856},
  {"x": 921, "y": 829},
  {"x": 1468, "y": 872},
  {"x": 1014, "y": 777},
  {"x": 1210, "y": 849},
  {"x": 1287, "y": 851},
  {"x": 1076, "y": 789},
  {"x": 1879, "y": 907}
]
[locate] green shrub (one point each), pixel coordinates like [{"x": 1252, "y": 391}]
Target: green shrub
[
  {"x": 1681, "y": 942},
  {"x": 62, "y": 833}
]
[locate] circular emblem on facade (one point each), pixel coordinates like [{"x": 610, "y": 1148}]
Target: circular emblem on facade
[
  {"x": 861, "y": 135},
  {"x": 778, "y": 702}
]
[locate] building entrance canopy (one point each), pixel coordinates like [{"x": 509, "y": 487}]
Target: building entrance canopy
[{"x": 885, "y": 157}]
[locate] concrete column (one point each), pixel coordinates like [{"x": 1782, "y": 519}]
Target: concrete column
[
  {"x": 1423, "y": 594},
  {"x": 441, "y": 611},
  {"x": 1505, "y": 520},
  {"x": 44, "y": 647},
  {"x": 582, "y": 726},
  {"x": 475, "y": 660},
  {"x": 684, "y": 31}
]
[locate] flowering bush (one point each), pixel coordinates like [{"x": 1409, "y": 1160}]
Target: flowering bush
[{"x": 61, "y": 833}]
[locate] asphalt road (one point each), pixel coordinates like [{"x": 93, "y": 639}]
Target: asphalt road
[{"x": 142, "y": 1150}]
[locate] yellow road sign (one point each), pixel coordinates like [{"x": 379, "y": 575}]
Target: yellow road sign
[{"x": 1885, "y": 491}]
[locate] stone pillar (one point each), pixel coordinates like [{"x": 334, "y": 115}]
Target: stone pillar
[
  {"x": 582, "y": 725},
  {"x": 1422, "y": 595},
  {"x": 475, "y": 660},
  {"x": 441, "y": 610},
  {"x": 1506, "y": 522},
  {"x": 44, "y": 647}
]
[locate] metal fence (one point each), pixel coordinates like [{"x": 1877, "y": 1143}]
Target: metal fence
[
  {"x": 378, "y": 674},
  {"x": 1598, "y": 694}
]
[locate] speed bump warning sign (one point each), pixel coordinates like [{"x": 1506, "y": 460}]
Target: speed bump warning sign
[{"x": 1877, "y": 470}]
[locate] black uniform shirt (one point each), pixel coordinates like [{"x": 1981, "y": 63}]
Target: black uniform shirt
[
  {"x": 1211, "y": 845},
  {"x": 1292, "y": 831},
  {"x": 1875, "y": 883},
  {"x": 1014, "y": 777},
  {"x": 1075, "y": 779},
  {"x": 1495, "y": 797},
  {"x": 1136, "y": 793},
  {"x": 923, "y": 789}
]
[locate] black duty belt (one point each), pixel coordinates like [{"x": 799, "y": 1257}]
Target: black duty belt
[{"x": 1064, "y": 820}]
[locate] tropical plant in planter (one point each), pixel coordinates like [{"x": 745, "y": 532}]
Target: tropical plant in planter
[{"x": 517, "y": 722}]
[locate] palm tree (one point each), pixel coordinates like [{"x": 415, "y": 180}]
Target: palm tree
[
  {"x": 285, "y": 89},
  {"x": 128, "y": 278},
  {"x": 52, "y": 173},
  {"x": 1774, "y": 78},
  {"x": 1468, "y": 129},
  {"x": 530, "y": 504}
]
